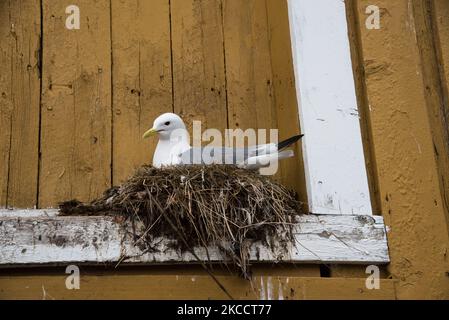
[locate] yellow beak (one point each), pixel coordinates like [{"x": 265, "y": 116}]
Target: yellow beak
[{"x": 149, "y": 133}]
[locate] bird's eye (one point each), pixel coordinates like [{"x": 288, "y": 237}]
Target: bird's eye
[{"x": 167, "y": 123}]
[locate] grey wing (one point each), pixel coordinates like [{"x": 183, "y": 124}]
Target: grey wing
[
  {"x": 213, "y": 154},
  {"x": 255, "y": 156}
]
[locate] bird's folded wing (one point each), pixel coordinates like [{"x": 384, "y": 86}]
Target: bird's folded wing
[
  {"x": 262, "y": 149},
  {"x": 213, "y": 154},
  {"x": 262, "y": 161},
  {"x": 225, "y": 155}
]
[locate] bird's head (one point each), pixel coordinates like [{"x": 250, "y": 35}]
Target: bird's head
[{"x": 165, "y": 125}]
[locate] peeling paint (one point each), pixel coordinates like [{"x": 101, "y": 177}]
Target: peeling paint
[
  {"x": 93, "y": 240},
  {"x": 403, "y": 145}
]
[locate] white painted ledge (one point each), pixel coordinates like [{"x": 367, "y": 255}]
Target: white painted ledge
[{"x": 40, "y": 237}]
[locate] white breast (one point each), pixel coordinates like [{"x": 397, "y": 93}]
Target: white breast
[{"x": 168, "y": 153}]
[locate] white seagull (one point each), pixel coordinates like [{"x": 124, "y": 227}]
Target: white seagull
[{"x": 174, "y": 148}]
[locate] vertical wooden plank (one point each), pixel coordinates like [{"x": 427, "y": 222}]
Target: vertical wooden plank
[
  {"x": 142, "y": 79},
  {"x": 198, "y": 62},
  {"x": 362, "y": 100},
  {"x": 6, "y": 105},
  {"x": 402, "y": 137},
  {"x": 441, "y": 16},
  {"x": 440, "y": 31},
  {"x": 76, "y": 103},
  {"x": 292, "y": 169},
  {"x": 20, "y": 27},
  {"x": 333, "y": 152},
  {"x": 248, "y": 65},
  {"x": 431, "y": 47}
]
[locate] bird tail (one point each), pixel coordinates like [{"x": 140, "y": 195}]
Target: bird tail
[{"x": 288, "y": 142}]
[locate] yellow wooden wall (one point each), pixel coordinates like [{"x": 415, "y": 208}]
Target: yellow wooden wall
[
  {"x": 73, "y": 106},
  {"x": 75, "y": 103}
]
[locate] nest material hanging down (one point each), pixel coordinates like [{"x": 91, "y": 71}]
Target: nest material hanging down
[{"x": 202, "y": 206}]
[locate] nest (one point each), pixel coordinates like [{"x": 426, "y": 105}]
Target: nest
[{"x": 202, "y": 206}]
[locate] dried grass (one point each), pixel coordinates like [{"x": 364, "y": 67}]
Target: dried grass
[{"x": 202, "y": 206}]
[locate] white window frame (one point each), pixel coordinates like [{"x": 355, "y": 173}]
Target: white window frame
[
  {"x": 334, "y": 160},
  {"x": 341, "y": 228}
]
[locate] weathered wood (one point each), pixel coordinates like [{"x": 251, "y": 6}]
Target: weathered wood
[
  {"x": 354, "y": 26},
  {"x": 20, "y": 28},
  {"x": 5, "y": 99},
  {"x": 28, "y": 213},
  {"x": 333, "y": 152},
  {"x": 50, "y": 240},
  {"x": 198, "y": 63},
  {"x": 248, "y": 65},
  {"x": 438, "y": 28},
  {"x": 142, "y": 79},
  {"x": 285, "y": 94},
  {"x": 291, "y": 172},
  {"x": 402, "y": 137},
  {"x": 76, "y": 104},
  {"x": 141, "y": 285},
  {"x": 441, "y": 11}
]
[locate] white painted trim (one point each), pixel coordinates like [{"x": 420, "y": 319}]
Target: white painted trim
[
  {"x": 28, "y": 213},
  {"x": 53, "y": 240},
  {"x": 332, "y": 145}
]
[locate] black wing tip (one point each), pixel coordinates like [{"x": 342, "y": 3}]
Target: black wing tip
[{"x": 287, "y": 142}]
